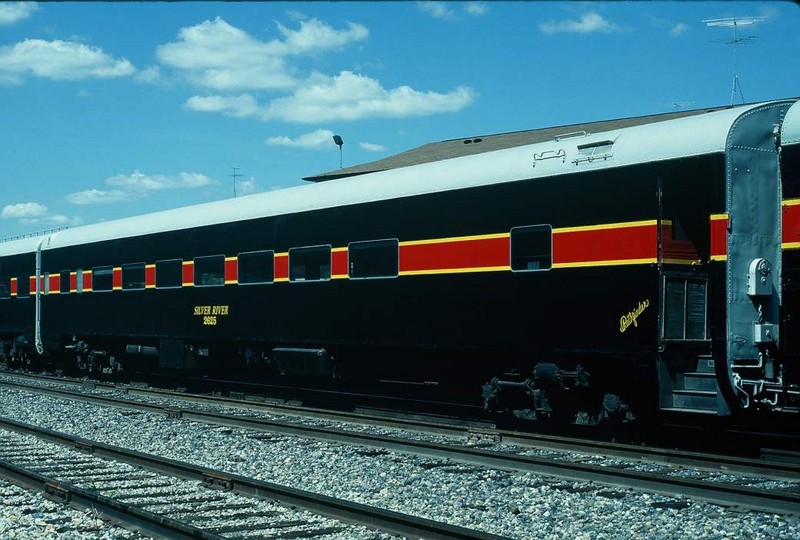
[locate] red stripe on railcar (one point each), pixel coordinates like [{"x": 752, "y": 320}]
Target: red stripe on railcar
[
  {"x": 150, "y": 276},
  {"x": 719, "y": 237},
  {"x": 73, "y": 282},
  {"x": 116, "y": 279},
  {"x": 455, "y": 254},
  {"x": 339, "y": 263},
  {"x": 231, "y": 270},
  {"x": 634, "y": 242},
  {"x": 13, "y": 286},
  {"x": 791, "y": 224},
  {"x": 188, "y": 273},
  {"x": 87, "y": 280},
  {"x": 55, "y": 284},
  {"x": 281, "y": 261}
]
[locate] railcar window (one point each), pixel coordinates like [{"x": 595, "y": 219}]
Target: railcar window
[
  {"x": 23, "y": 287},
  {"x": 102, "y": 278},
  {"x": 133, "y": 276},
  {"x": 531, "y": 248},
  {"x": 373, "y": 259},
  {"x": 256, "y": 267},
  {"x": 310, "y": 263},
  {"x": 209, "y": 271},
  {"x": 79, "y": 280},
  {"x": 592, "y": 151},
  {"x": 5, "y": 288},
  {"x": 64, "y": 281},
  {"x": 685, "y": 308},
  {"x": 169, "y": 274}
]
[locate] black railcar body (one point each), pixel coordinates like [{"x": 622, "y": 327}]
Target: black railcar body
[{"x": 652, "y": 267}]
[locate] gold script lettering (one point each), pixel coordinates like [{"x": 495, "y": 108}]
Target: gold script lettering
[{"x": 631, "y": 317}]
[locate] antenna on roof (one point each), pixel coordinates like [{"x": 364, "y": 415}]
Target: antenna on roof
[
  {"x": 735, "y": 23},
  {"x": 235, "y": 175}
]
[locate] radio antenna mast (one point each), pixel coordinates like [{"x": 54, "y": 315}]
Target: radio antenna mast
[
  {"x": 235, "y": 175},
  {"x": 735, "y": 23}
]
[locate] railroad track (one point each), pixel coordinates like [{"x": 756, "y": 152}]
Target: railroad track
[
  {"x": 171, "y": 499},
  {"x": 783, "y": 501}
]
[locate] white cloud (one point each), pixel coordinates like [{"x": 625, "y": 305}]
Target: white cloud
[
  {"x": 59, "y": 60},
  {"x": 438, "y": 10},
  {"x": 98, "y": 196},
  {"x": 372, "y": 147},
  {"x": 321, "y": 138},
  {"x": 131, "y": 186},
  {"x": 476, "y": 9},
  {"x": 349, "y": 96},
  {"x": 241, "y": 106},
  {"x": 678, "y": 29},
  {"x": 589, "y": 23},
  {"x": 23, "y": 210},
  {"x": 446, "y": 11},
  {"x": 138, "y": 182},
  {"x": 54, "y": 220},
  {"x": 13, "y": 12},
  {"x": 247, "y": 187},
  {"x": 216, "y": 55},
  {"x": 149, "y": 75}
]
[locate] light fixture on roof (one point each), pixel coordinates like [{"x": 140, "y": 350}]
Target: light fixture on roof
[{"x": 339, "y": 142}]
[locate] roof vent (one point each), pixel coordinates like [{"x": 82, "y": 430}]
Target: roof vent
[{"x": 470, "y": 141}]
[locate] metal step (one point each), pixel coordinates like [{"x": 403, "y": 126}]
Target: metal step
[
  {"x": 694, "y": 399},
  {"x": 700, "y": 381},
  {"x": 689, "y": 411},
  {"x": 705, "y": 364}
]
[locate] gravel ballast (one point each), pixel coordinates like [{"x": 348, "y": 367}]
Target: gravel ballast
[{"x": 511, "y": 504}]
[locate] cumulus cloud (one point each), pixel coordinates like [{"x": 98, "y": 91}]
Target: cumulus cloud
[
  {"x": 247, "y": 187},
  {"x": 59, "y": 60},
  {"x": 13, "y": 12},
  {"x": 98, "y": 196},
  {"x": 135, "y": 185},
  {"x": 350, "y": 96},
  {"x": 589, "y": 23},
  {"x": 372, "y": 147},
  {"x": 139, "y": 182},
  {"x": 452, "y": 11},
  {"x": 219, "y": 56},
  {"x": 347, "y": 96},
  {"x": 321, "y": 138},
  {"x": 678, "y": 29},
  {"x": 23, "y": 210}
]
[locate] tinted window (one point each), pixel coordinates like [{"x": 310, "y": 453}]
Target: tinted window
[
  {"x": 102, "y": 278},
  {"x": 5, "y": 288},
  {"x": 373, "y": 259},
  {"x": 209, "y": 271},
  {"x": 23, "y": 287},
  {"x": 169, "y": 274},
  {"x": 64, "y": 281},
  {"x": 310, "y": 263},
  {"x": 256, "y": 267},
  {"x": 531, "y": 248},
  {"x": 133, "y": 276}
]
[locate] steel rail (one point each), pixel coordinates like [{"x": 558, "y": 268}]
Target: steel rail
[
  {"x": 774, "y": 501},
  {"x": 126, "y": 515},
  {"x": 377, "y": 518},
  {"x": 776, "y": 469}
]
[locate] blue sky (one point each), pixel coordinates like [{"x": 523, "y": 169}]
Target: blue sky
[{"x": 116, "y": 109}]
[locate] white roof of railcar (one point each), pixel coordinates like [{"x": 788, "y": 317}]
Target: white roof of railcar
[{"x": 681, "y": 137}]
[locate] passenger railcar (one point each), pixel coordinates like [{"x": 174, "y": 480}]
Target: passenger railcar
[{"x": 644, "y": 268}]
